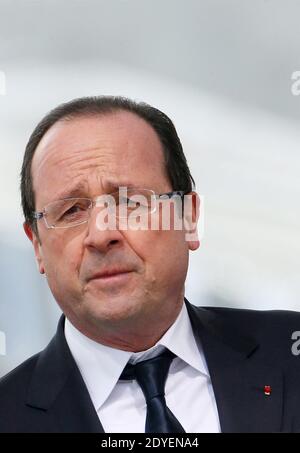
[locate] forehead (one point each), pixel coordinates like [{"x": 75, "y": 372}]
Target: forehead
[{"x": 95, "y": 150}]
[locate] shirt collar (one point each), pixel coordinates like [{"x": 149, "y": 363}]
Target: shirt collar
[{"x": 101, "y": 366}]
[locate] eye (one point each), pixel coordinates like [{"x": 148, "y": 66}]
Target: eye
[{"x": 74, "y": 210}]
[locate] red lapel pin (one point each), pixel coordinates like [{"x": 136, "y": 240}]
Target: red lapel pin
[{"x": 267, "y": 390}]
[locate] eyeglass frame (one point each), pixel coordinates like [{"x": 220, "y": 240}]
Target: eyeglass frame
[{"x": 38, "y": 215}]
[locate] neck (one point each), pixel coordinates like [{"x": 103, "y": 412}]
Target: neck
[{"x": 134, "y": 337}]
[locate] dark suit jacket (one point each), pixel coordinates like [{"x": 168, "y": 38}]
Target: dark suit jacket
[{"x": 245, "y": 350}]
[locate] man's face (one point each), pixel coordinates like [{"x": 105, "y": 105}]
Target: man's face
[{"x": 98, "y": 154}]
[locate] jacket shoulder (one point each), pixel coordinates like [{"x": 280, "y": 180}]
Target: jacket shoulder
[
  {"x": 271, "y": 317},
  {"x": 275, "y": 328},
  {"x": 14, "y": 385}
]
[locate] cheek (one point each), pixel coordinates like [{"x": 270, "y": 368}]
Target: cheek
[
  {"x": 173, "y": 255},
  {"x": 162, "y": 252},
  {"x": 62, "y": 257}
]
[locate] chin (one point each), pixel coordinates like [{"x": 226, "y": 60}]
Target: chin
[{"x": 114, "y": 309}]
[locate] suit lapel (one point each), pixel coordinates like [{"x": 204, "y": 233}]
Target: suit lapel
[
  {"x": 238, "y": 375},
  {"x": 58, "y": 389}
]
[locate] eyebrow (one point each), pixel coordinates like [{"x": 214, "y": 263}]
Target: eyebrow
[
  {"x": 113, "y": 186},
  {"x": 70, "y": 192},
  {"x": 79, "y": 189}
]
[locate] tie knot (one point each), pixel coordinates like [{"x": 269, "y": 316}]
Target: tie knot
[{"x": 150, "y": 374}]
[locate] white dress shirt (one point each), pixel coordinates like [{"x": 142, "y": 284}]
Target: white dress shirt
[{"x": 121, "y": 405}]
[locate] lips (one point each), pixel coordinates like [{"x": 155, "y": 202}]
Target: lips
[{"x": 110, "y": 274}]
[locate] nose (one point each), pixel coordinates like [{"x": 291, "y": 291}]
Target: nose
[{"x": 100, "y": 235}]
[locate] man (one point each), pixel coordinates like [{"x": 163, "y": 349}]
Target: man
[{"x": 130, "y": 353}]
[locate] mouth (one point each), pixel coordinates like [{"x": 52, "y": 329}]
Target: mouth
[{"x": 107, "y": 277}]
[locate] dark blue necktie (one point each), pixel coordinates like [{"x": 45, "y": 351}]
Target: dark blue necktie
[{"x": 151, "y": 375}]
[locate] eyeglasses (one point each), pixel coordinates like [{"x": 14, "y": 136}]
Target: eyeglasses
[{"x": 71, "y": 212}]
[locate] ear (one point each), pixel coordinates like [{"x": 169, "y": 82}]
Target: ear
[
  {"x": 36, "y": 245},
  {"x": 191, "y": 217}
]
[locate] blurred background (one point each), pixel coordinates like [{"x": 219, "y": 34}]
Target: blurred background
[{"x": 222, "y": 70}]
